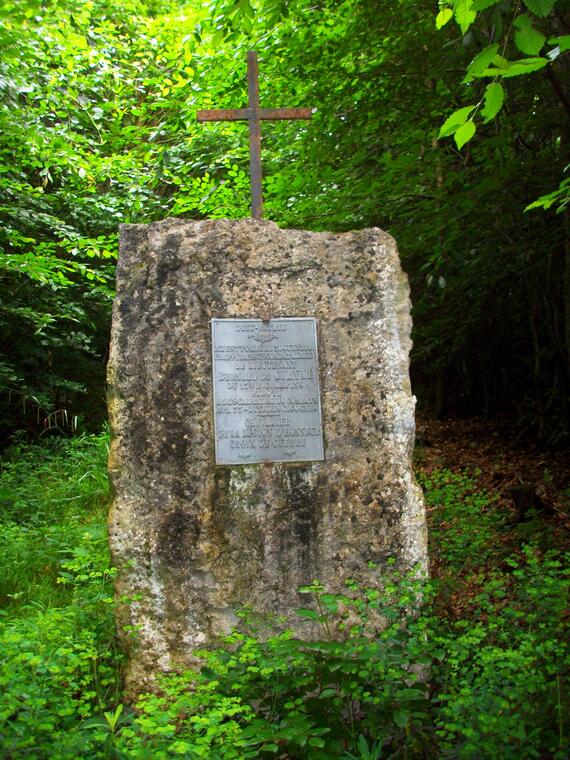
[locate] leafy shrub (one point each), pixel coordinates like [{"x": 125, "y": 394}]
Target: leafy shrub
[
  {"x": 501, "y": 672},
  {"x": 59, "y": 664},
  {"x": 53, "y": 675},
  {"x": 56, "y": 480},
  {"x": 505, "y": 677},
  {"x": 308, "y": 699},
  {"x": 49, "y": 493},
  {"x": 383, "y": 681},
  {"x": 464, "y": 527}
]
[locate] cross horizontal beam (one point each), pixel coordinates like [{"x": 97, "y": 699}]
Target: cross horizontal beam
[
  {"x": 245, "y": 114},
  {"x": 254, "y": 115}
]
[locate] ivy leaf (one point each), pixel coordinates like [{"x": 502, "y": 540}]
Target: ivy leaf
[
  {"x": 527, "y": 39},
  {"x": 464, "y": 133},
  {"x": 453, "y": 122},
  {"x": 443, "y": 17},
  {"x": 481, "y": 61},
  {"x": 494, "y": 97},
  {"x": 464, "y": 14},
  {"x": 540, "y": 7}
]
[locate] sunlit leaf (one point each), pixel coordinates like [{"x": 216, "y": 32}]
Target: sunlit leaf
[
  {"x": 464, "y": 14},
  {"x": 481, "y": 61},
  {"x": 464, "y": 133},
  {"x": 515, "y": 68},
  {"x": 481, "y": 5},
  {"x": 562, "y": 42},
  {"x": 494, "y": 98},
  {"x": 524, "y": 66},
  {"x": 445, "y": 15},
  {"x": 527, "y": 38},
  {"x": 453, "y": 122}
]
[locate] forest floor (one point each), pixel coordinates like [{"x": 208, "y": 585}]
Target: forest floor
[
  {"x": 522, "y": 475},
  {"x": 529, "y": 490}
]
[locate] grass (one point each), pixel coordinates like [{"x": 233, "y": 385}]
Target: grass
[
  {"x": 494, "y": 640},
  {"x": 59, "y": 664},
  {"x": 50, "y": 495}
]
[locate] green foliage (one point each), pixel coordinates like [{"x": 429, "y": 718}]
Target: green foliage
[
  {"x": 70, "y": 83},
  {"x": 59, "y": 665},
  {"x": 506, "y": 666},
  {"x": 97, "y": 127},
  {"x": 356, "y": 690},
  {"x": 509, "y": 667},
  {"x": 47, "y": 491},
  {"x": 465, "y": 529},
  {"x": 499, "y": 680},
  {"x": 512, "y": 30},
  {"x": 388, "y": 676},
  {"x": 559, "y": 198},
  {"x": 487, "y": 283},
  {"x": 53, "y": 676}
]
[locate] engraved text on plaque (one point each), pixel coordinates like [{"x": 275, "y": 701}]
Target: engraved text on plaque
[{"x": 266, "y": 390}]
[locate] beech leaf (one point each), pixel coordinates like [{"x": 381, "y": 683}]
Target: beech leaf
[
  {"x": 540, "y": 7},
  {"x": 524, "y": 66},
  {"x": 443, "y": 17},
  {"x": 481, "y": 61},
  {"x": 527, "y": 39},
  {"x": 494, "y": 98},
  {"x": 464, "y": 133},
  {"x": 464, "y": 14},
  {"x": 453, "y": 122},
  {"x": 561, "y": 42}
]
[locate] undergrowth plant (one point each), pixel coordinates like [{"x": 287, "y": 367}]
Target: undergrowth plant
[
  {"x": 390, "y": 674},
  {"x": 48, "y": 494},
  {"x": 465, "y": 527},
  {"x": 356, "y": 692},
  {"x": 59, "y": 665},
  {"x": 503, "y": 680}
]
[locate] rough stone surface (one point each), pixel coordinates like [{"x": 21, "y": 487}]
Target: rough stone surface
[{"x": 194, "y": 541}]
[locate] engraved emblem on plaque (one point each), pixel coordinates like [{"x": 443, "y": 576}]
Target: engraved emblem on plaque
[{"x": 267, "y": 404}]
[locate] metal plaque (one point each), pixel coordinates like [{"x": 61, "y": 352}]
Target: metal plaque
[{"x": 266, "y": 391}]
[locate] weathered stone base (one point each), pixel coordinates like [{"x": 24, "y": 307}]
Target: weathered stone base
[{"x": 194, "y": 541}]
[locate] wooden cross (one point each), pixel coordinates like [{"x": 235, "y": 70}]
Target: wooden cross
[{"x": 253, "y": 115}]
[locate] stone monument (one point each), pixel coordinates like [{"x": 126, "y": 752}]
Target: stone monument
[{"x": 262, "y": 426}]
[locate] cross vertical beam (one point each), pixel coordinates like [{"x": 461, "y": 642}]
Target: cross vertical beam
[
  {"x": 253, "y": 114},
  {"x": 254, "y": 136}
]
